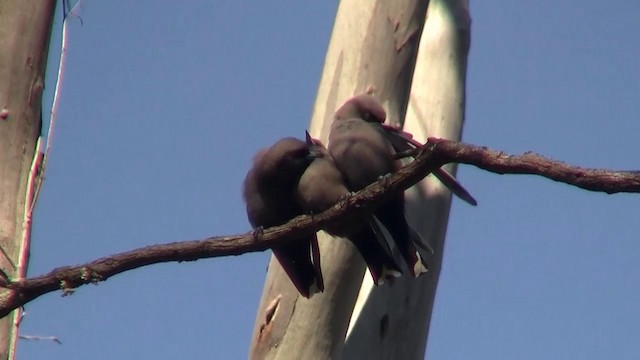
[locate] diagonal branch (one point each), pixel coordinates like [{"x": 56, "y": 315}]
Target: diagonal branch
[{"x": 436, "y": 153}]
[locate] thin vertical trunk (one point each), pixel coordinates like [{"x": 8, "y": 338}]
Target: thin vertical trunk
[
  {"x": 25, "y": 29},
  {"x": 392, "y": 322},
  {"x": 373, "y": 48}
]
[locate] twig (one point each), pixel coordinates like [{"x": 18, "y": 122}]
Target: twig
[{"x": 37, "y": 337}]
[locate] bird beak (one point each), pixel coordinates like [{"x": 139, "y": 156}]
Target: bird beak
[
  {"x": 314, "y": 150},
  {"x": 308, "y": 138}
]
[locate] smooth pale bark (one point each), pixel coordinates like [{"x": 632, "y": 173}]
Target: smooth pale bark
[
  {"x": 25, "y": 29},
  {"x": 373, "y": 48},
  {"x": 392, "y": 322}
]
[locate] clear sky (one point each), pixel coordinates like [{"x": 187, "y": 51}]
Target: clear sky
[{"x": 164, "y": 105}]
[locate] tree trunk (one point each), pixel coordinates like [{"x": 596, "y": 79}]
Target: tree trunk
[
  {"x": 373, "y": 48},
  {"x": 392, "y": 322},
  {"x": 25, "y": 30}
]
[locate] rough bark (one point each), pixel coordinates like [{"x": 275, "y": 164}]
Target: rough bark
[
  {"x": 373, "y": 48},
  {"x": 25, "y": 29},
  {"x": 392, "y": 322}
]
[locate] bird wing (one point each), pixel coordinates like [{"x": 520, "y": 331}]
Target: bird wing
[{"x": 403, "y": 141}]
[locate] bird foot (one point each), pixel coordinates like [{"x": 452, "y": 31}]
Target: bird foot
[
  {"x": 385, "y": 178},
  {"x": 346, "y": 196},
  {"x": 258, "y": 233}
]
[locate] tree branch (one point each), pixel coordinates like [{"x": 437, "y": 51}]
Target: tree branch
[
  {"x": 436, "y": 153},
  {"x": 529, "y": 163}
]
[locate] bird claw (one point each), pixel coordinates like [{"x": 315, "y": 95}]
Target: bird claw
[
  {"x": 385, "y": 178},
  {"x": 346, "y": 196},
  {"x": 258, "y": 233}
]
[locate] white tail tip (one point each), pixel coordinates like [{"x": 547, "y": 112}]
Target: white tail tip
[{"x": 419, "y": 268}]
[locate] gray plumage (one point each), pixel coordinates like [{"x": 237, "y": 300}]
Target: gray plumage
[
  {"x": 363, "y": 154},
  {"x": 322, "y": 186}
]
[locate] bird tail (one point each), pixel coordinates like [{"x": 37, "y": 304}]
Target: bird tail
[
  {"x": 300, "y": 259},
  {"x": 391, "y": 215}
]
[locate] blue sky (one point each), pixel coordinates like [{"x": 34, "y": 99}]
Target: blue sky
[{"x": 163, "y": 107}]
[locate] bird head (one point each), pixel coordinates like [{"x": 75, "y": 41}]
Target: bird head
[{"x": 365, "y": 107}]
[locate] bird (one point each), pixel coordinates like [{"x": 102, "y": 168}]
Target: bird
[
  {"x": 269, "y": 192},
  {"x": 402, "y": 141},
  {"x": 363, "y": 154},
  {"x": 322, "y": 186}
]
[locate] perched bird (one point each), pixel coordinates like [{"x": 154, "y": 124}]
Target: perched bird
[
  {"x": 270, "y": 195},
  {"x": 322, "y": 186},
  {"x": 400, "y": 140},
  {"x": 363, "y": 154}
]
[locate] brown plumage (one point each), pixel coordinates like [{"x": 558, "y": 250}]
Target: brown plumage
[
  {"x": 363, "y": 154},
  {"x": 269, "y": 193}
]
